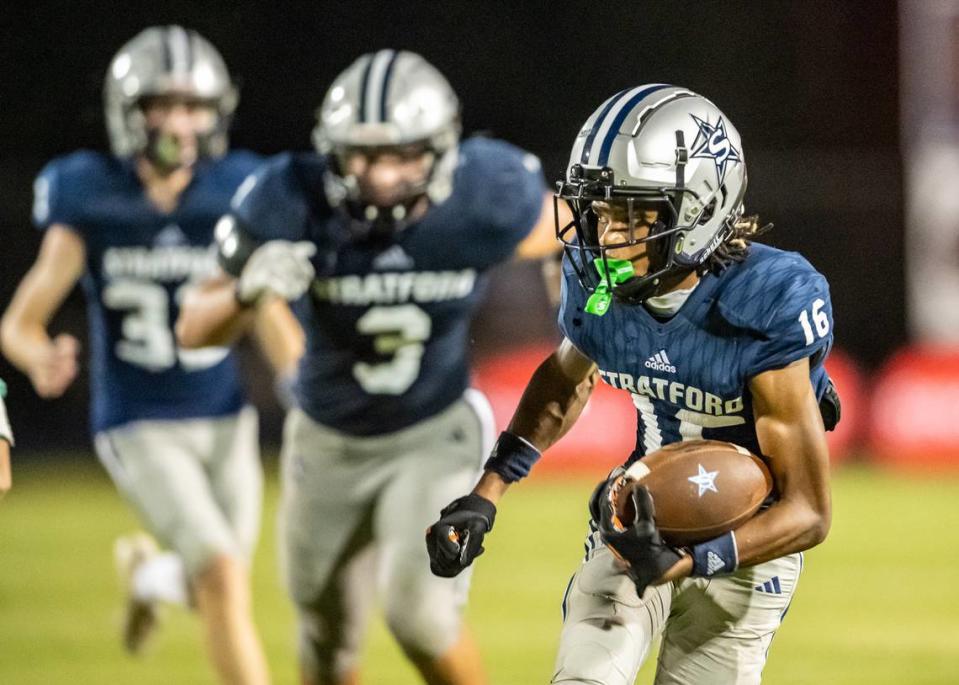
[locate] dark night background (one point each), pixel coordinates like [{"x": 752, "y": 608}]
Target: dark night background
[{"x": 812, "y": 87}]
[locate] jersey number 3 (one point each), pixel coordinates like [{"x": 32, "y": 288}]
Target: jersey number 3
[
  {"x": 399, "y": 331},
  {"x": 819, "y": 318}
]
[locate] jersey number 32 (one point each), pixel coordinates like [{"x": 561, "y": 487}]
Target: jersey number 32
[{"x": 148, "y": 340}]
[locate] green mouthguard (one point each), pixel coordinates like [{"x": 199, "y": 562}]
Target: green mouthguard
[{"x": 619, "y": 271}]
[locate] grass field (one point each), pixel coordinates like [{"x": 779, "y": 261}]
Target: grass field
[{"x": 878, "y": 602}]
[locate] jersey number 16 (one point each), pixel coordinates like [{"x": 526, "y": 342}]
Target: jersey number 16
[{"x": 819, "y": 318}]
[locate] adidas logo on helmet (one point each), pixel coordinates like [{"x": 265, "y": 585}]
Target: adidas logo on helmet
[{"x": 660, "y": 362}]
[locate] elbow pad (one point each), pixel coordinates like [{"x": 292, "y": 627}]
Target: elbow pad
[{"x": 234, "y": 245}]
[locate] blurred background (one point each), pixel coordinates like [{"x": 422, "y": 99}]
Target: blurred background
[{"x": 849, "y": 114}]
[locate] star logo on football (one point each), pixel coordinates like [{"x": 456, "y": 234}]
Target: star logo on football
[
  {"x": 713, "y": 143},
  {"x": 706, "y": 480}
]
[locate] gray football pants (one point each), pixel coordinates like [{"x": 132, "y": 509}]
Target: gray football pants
[
  {"x": 714, "y": 631},
  {"x": 196, "y": 483},
  {"x": 353, "y": 518}
]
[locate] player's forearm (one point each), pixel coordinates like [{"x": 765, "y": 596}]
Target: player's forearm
[
  {"x": 800, "y": 519},
  {"x": 211, "y": 315},
  {"x": 279, "y": 336},
  {"x": 551, "y": 404},
  {"x": 784, "y": 528},
  {"x": 23, "y": 330},
  {"x": 59, "y": 265},
  {"x": 791, "y": 435},
  {"x": 491, "y": 486},
  {"x": 23, "y": 340}
]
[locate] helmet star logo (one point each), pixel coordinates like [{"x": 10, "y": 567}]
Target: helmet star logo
[
  {"x": 706, "y": 480},
  {"x": 713, "y": 143}
]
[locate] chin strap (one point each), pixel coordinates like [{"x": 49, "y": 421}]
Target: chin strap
[{"x": 370, "y": 222}]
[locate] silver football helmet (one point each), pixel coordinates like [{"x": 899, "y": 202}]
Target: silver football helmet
[
  {"x": 656, "y": 146},
  {"x": 165, "y": 60},
  {"x": 388, "y": 100}
]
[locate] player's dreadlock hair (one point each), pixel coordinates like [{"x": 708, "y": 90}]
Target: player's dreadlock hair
[{"x": 736, "y": 247}]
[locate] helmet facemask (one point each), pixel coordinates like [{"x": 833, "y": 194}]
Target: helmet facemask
[
  {"x": 372, "y": 214},
  {"x": 388, "y": 101},
  {"x": 166, "y": 62},
  {"x": 596, "y": 269},
  {"x": 165, "y": 149},
  {"x": 654, "y": 146}
]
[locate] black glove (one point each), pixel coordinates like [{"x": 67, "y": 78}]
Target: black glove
[
  {"x": 457, "y": 538},
  {"x": 830, "y": 407},
  {"x": 637, "y": 542}
]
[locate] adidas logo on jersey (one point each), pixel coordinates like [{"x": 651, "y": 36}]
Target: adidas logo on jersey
[
  {"x": 660, "y": 362},
  {"x": 393, "y": 259},
  {"x": 171, "y": 236}
]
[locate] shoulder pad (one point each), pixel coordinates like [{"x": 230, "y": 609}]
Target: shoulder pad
[
  {"x": 488, "y": 158},
  {"x": 755, "y": 293},
  {"x": 65, "y": 185},
  {"x": 238, "y": 164},
  {"x": 784, "y": 303},
  {"x": 272, "y": 202},
  {"x": 499, "y": 189},
  {"x": 572, "y": 298}
]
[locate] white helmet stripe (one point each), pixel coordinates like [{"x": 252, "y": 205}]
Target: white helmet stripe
[
  {"x": 179, "y": 49},
  {"x": 191, "y": 48},
  {"x": 614, "y": 119},
  {"x": 373, "y": 94}
]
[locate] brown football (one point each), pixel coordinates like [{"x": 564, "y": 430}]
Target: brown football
[{"x": 700, "y": 489}]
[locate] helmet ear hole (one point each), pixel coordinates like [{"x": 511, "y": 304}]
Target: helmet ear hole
[
  {"x": 709, "y": 210},
  {"x": 725, "y": 194}
]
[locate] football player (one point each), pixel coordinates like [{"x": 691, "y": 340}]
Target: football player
[
  {"x": 665, "y": 298},
  {"x": 6, "y": 442},
  {"x": 381, "y": 242},
  {"x": 171, "y": 426}
]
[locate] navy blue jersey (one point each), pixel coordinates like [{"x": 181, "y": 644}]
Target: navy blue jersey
[
  {"x": 138, "y": 261},
  {"x": 387, "y": 324},
  {"x": 688, "y": 377}
]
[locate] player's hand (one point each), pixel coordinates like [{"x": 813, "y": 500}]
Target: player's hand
[
  {"x": 457, "y": 538},
  {"x": 278, "y": 267},
  {"x": 56, "y": 366},
  {"x": 637, "y": 543}
]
